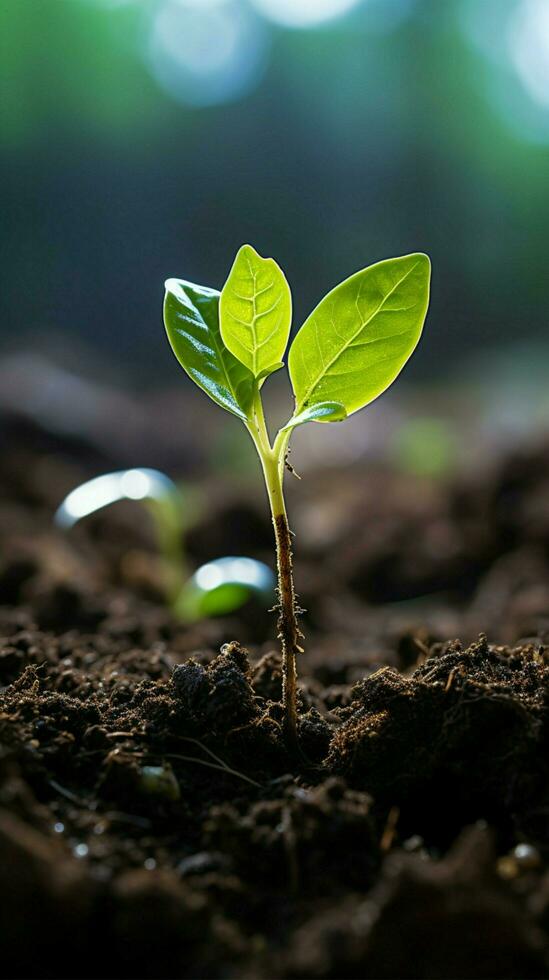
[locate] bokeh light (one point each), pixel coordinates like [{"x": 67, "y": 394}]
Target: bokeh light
[
  {"x": 528, "y": 40},
  {"x": 304, "y": 13},
  {"x": 513, "y": 38},
  {"x": 206, "y": 52}
]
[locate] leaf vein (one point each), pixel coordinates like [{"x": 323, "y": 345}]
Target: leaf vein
[{"x": 362, "y": 326}]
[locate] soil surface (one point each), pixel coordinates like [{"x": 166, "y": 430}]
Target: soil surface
[{"x": 153, "y": 822}]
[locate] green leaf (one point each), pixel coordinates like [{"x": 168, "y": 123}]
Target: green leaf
[
  {"x": 223, "y": 585},
  {"x": 270, "y": 370},
  {"x": 191, "y": 317},
  {"x": 320, "y": 412},
  {"x": 256, "y": 312},
  {"x": 359, "y": 337}
]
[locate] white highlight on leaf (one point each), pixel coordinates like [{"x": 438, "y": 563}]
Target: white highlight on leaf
[
  {"x": 134, "y": 484},
  {"x": 234, "y": 571}
]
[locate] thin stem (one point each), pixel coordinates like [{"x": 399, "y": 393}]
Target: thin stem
[
  {"x": 212, "y": 765},
  {"x": 167, "y": 516},
  {"x": 280, "y": 449},
  {"x": 272, "y": 461},
  {"x": 260, "y": 424},
  {"x": 288, "y": 628}
]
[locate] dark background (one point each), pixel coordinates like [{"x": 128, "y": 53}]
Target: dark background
[{"x": 142, "y": 139}]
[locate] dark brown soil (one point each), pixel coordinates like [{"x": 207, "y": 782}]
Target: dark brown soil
[{"x": 153, "y": 822}]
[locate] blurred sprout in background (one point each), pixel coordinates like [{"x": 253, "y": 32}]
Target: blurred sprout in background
[
  {"x": 425, "y": 447},
  {"x": 216, "y": 588}
]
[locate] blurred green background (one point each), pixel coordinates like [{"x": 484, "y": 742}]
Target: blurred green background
[{"x": 142, "y": 139}]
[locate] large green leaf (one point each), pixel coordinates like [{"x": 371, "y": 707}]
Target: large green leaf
[
  {"x": 191, "y": 317},
  {"x": 256, "y": 312},
  {"x": 357, "y": 340}
]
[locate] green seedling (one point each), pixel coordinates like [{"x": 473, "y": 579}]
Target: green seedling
[
  {"x": 155, "y": 491},
  {"x": 349, "y": 350},
  {"x": 223, "y": 585},
  {"x": 214, "y": 589}
]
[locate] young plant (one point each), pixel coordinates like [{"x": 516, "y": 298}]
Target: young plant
[
  {"x": 216, "y": 588},
  {"x": 349, "y": 350}
]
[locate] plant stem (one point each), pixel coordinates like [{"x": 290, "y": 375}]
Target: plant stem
[
  {"x": 167, "y": 516},
  {"x": 289, "y": 634}
]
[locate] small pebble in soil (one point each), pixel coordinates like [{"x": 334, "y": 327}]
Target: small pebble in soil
[
  {"x": 522, "y": 858},
  {"x": 527, "y": 857},
  {"x": 159, "y": 781}
]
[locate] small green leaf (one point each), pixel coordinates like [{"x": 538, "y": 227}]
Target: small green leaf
[
  {"x": 359, "y": 337},
  {"x": 223, "y": 585},
  {"x": 159, "y": 781},
  {"x": 270, "y": 370},
  {"x": 320, "y": 412},
  {"x": 191, "y": 317},
  {"x": 256, "y": 312}
]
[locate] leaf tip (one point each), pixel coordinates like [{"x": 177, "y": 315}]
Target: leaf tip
[
  {"x": 422, "y": 260},
  {"x": 252, "y": 252},
  {"x": 247, "y": 249}
]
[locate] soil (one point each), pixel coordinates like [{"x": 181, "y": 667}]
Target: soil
[{"x": 153, "y": 821}]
